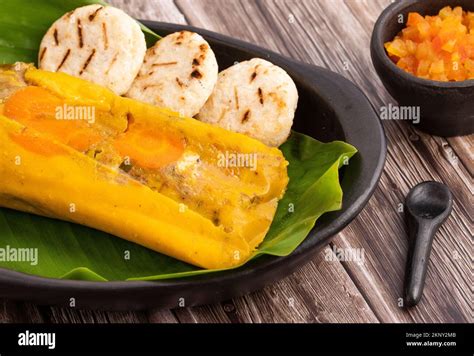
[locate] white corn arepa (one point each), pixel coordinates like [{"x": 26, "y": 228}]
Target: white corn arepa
[
  {"x": 179, "y": 73},
  {"x": 101, "y": 44},
  {"x": 255, "y": 98}
]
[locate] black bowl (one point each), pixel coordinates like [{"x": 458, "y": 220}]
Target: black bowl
[
  {"x": 446, "y": 108},
  {"x": 330, "y": 108}
]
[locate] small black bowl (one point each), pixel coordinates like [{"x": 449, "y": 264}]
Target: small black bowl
[{"x": 446, "y": 108}]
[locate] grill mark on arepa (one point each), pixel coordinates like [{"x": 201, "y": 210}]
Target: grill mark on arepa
[
  {"x": 55, "y": 35},
  {"x": 196, "y": 74},
  {"x": 111, "y": 63},
  {"x": 43, "y": 52},
  {"x": 246, "y": 117},
  {"x": 148, "y": 86},
  {"x": 86, "y": 63},
  {"x": 253, "y": 76},
  {"x": 94, "y": 14},
  {"x": 163, "y": 64},
  {"x": 66, "y": 56},
  {"x": 104, "y": 35},
  {"x": 179, "y": 39},
  {"x": 236, "y": 96},
  {"x": 180, "y": 83},
  {"x": 79, "y": 33},
  {"x": 197, "y": 61},
  {"x": 260, "y": 95}
]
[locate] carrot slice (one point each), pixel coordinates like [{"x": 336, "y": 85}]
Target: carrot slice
[
  {"x": 37, "y": 108},
  {"x": 149, "y": 149},
  {"x": 31, "y": 102}
]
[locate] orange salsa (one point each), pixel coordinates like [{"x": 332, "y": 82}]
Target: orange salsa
[{"x": 436, "y": 47}]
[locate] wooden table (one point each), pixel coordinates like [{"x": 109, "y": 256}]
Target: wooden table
[{"x": 334, "y": 34}]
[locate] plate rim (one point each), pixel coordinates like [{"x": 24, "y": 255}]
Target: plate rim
[{"x": 122, "y": 295}]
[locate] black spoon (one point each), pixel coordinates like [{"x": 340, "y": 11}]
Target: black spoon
[{"x": 427, "y": 206}]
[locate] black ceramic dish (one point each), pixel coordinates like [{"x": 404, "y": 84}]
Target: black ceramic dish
[
  {"x": 447, "y": 108},
  {"x": 330, "y": 108}
]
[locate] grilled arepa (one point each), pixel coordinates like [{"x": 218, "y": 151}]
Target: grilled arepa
[
  {"x": 179, "y": 73},
  {"x": 101, "y": 44},
  {"x": 255, "y": 98}
]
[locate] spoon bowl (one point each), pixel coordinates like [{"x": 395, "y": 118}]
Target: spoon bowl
[{"x": 429, "y": 200}]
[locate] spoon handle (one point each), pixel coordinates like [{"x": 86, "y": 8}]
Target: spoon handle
[{"x": 421, "y": 239}]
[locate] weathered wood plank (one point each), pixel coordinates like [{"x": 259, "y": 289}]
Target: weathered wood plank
[
  {"x": 162, "y": 316},
  {"x": 240, "y": 19},
  {"x": 70, "y": 315},
  {"x": 320, "y": 292},
  {"x": 19, "y": 312},
  {"x": 464, "y": 149},
  {"x": 307, "y": 31},
  {"x": 402, "y": 152},
  {"x": 156, "y": 10},
  {"x": 416, "y": 157}
]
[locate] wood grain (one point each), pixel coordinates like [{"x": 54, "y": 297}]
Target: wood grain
[
  {"x": 156, "y": 10},
  {"x": 320, "y": 292},
  {"x": 334, "y": 34}
]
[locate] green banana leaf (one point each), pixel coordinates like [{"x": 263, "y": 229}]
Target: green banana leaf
[
  {"x": 23, "y": 24},
  {"x": 66, "y": 250}
]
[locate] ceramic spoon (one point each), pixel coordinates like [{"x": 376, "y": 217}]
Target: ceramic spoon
[{"x": 427, "y": 206}]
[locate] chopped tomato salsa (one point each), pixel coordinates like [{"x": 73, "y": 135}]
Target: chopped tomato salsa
[{"x": 437, "y": 47}]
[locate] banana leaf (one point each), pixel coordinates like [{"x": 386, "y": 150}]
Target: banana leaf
[{"x": 66, "y": 250}]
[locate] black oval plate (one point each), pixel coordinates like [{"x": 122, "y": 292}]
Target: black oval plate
[{"x": 330, "y": 108}]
